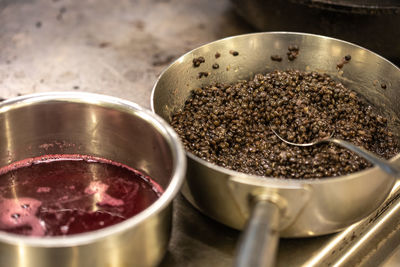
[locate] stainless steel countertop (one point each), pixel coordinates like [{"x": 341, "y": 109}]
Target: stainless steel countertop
[{"x": 119, "y": 48}]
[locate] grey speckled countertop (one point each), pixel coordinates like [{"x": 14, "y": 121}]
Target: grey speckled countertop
[
  {"x": 112, "y": 47},
  {"x": 119, "y": 48}
]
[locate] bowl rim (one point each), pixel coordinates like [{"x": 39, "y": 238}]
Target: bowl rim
[
  {"x": 263, "y": 179},
  {"x": 173, "y": 188}
]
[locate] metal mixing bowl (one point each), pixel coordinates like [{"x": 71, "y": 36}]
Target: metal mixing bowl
[
  {"x": 107, "y": 127},
  {"x": 325, "y": 205},
  {"x": 269, "y": 206}
]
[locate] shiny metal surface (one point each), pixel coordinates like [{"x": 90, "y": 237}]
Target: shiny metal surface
[
  {"x": 334, "y": 203},
  {"x": 264, "y": 219},
  {"x": 119, "y": 48},
  {"x": 290, "y": 200},
  {"x": 384, "y": 165},
  {"x": 97, "y": 125},
  {"x": 365, "y": 243}
]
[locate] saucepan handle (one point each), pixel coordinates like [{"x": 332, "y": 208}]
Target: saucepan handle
[
  {"x": 259, "y": 241},
  {"x": 268, "y": 206}
]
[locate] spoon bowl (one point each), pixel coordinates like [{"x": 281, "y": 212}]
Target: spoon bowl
[{"x": 385, "y": 165}]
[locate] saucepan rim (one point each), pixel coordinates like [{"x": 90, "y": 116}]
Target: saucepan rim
[
  {"x": 263, "y": 179},
  {"x": 178, "y": 168}
]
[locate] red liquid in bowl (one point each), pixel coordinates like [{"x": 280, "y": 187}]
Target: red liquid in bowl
[{"x": 70, "y": 194}]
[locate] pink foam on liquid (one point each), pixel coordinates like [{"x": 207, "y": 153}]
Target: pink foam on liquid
[
  {"x": 21, "y": 212},
  {"x": 43, "y": 189},
  {"x": 70, "y": 194},
  {"x": 100, "y": 189}
]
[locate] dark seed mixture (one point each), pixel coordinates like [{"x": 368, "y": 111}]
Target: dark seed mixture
[
  {"x": 230, "y": 125},
  {"x": 202, "y": 74},
  {"x": 276, "y": 58},
  {"x": 343, "y": 61},
  {"x": 197, "y": 61},
  {"x": 234, "y": 53},
  {"x": 293, "y": 52}
]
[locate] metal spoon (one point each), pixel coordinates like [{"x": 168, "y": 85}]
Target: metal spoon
[{"x": 374, "y": 159}]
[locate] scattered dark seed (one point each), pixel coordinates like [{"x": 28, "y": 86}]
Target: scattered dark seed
[
  {"x": 197, "y": 61},
  {"x": 215, "y": 66},
  {"x": 38, "y": 24},
  {"x": 293, "y": 48},
  {"x": 203, "y": 74},
  {"x": 383, "y": 86},
  {"x": 161, "y": 59},
  {"x": 76, "y": 87},
  {"x": 293, "y": 52},
  {"x": 15, "y": 216},
  {"x": 104, "y": 44},
  {"x": 2, "y": 99},
  {"x": 276, "y": 58},
  {"x": 291, "y": 57},
  {"x": 139, "y": 24},
  {"x": 61, "y": 12},
  {"x": 217, "y": 55},
  {"x": 25, "y": 206},
  {"x": 343, "y": 61},
  {"x": 234, "y": 53}
]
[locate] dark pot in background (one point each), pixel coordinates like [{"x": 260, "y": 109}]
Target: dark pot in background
[{"x": 370, "y": 23}]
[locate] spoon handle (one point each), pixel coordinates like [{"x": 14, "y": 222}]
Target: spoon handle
[{"x": 381, "y": 163}]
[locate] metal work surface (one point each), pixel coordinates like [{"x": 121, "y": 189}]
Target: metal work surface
[{"x": 119, "y": 48}]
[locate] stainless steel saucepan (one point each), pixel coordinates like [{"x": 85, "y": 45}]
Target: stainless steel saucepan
[
  {"x": 102, "y": 126},
  {"x": 281, "y": 207}
]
